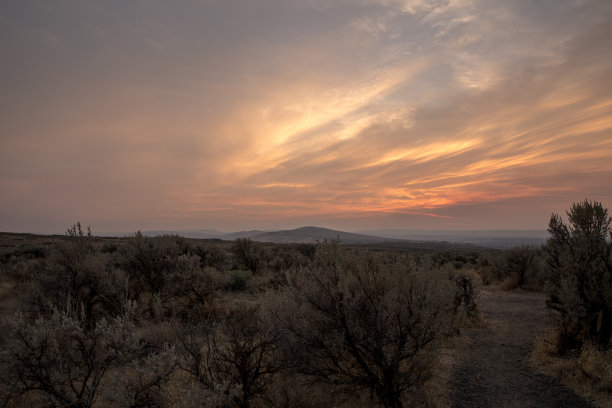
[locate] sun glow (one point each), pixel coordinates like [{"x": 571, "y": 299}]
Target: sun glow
[
  {"x": 427, "y": 152},
  {"x": 302, "y": 112}
]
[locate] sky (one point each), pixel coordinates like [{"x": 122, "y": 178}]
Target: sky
[{"x": 270, "y": 114}]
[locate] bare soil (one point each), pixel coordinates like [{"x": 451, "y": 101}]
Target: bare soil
[{"x": 492, "y": 367}]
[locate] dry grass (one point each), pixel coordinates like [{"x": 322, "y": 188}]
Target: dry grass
[
  {"x": 587, "y": 371},
  {"x": 468, "y": 315},
  {"x": 511, "y": 282},
  {"x": 435, "y": 392},
  {"x": 463, "y": 321}
]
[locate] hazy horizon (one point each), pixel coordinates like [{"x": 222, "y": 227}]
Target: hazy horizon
[
  {"x": 350, "y": 115},
  {"x": 96, "y": 230},
  {"x": 385, "y": 232}
]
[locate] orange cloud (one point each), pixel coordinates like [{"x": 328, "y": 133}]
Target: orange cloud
[{"x": 217, "y": 116}]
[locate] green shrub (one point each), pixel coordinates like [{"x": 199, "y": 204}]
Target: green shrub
[{"x": 579, "y": 256}]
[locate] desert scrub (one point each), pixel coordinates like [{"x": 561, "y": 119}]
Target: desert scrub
[
  {"x": 523, "y": 267},
  {"x": 232, "y": 358},
  {"x": 358, "y": 321},
  {"x": 465, "y": 301},
  {"x": 62, "y": 360},
  {"x": 588, "y": 370},
  {"x": 238, "y": 279},
  {"x": 577, "y": 348},
  {"x": 249, "y": 255},
  {"x": 76, "y": 275}
]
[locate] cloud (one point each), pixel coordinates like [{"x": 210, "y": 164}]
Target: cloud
[{"x": 227, "y": 113}]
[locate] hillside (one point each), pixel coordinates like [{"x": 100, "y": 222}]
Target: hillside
[
  {"x": 498, "y": 239},
  {"x": 314, "y": 234}
]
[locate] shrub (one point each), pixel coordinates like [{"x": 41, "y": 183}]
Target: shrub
[
  {"x": 465, "y": 306},
  {"x": 211, "y": 256},
  {"x": 308, "y": 250},
  {"x": 155, "y": 266},
  {"x": 238, "y": 279},
  {"x": 77, "y": 276},
  {"x": 234, "y": 357},
  {"x": 522, "y": 267},
  {"x": 580, "y": 280},
  {"x": 517, "y": 267},
  {"x": 140, "y": 383},
  {"x": 109, "y": 248},
  {"x": 151, "y": 262},
  {"x": 366, "y": 322},
  {"x": 286, "y": 257},
  {"x": 486, "y": 270},
  {"x": 518, "y": 261},
  {"x": 60, "y": 359},
  {"x": 249, "y": 255},
  {"x": 192, "y": 290}
]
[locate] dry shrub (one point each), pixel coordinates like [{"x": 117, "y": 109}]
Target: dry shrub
[
  {"x": 168, "y": 280},
  {"x": 233, "y": 358},
  {"x": 153, "y": 266},
  {"x": 141, "y": 382},
  {"x": 239, "y": 279},
  {"x": 518, "y": 267},
  {"x": 491, "y": 269},
  {"x": 587, "y": 371},
  {"x": 249, "y": 255},
  {"x": 597, "y": 364},
  {"x": 211, "y": 256},
  {"x": 510, "y": 282},
  {"x": 465, "y": 303},
  {"x": 367, "y": 323},
  {"x": 433, "y": 392},
  {"x": 291, "y": 390},
  {"x": 61, "y": 360},
  {"x": 523, "y": 267},
  {"x": 75, "y": 275}
]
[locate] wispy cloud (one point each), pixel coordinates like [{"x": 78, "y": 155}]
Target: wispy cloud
[{"x": 267, "y": 113}]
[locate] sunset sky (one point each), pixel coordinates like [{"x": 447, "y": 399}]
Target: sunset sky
[{"x": 347, "y": 114}]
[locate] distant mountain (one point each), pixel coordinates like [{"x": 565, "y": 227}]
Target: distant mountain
[
  {"x": 500, "y": 239},
  {"x": 206, "y": 234},
  {"x": 314, "y": 234},
  {"x": 242, "y": 234},
  {"x": 199, "y": 233}
]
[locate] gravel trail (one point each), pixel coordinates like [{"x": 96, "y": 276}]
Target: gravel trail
[{"x": 492, "y": 369}]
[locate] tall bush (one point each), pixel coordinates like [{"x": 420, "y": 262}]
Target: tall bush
[
  {"x": 234, "y": 357},
  {"x": 249, "y": 254},
  {"x": 366, "y": 322},
  {"x": 580, "y": 279},
  {"x": 77, "y": 276}
]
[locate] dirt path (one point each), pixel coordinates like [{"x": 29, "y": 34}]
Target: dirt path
[{"x": 492, "y": 370}]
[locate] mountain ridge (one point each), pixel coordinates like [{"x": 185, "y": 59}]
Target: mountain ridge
[{"x": 499, "y": 239}]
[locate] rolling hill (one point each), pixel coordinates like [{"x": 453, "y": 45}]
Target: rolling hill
[
  {"x": 499, "y": 239},
  {"x": 314, "y": 234}
]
